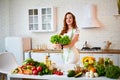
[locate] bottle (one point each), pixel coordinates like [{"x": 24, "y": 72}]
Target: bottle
[{"x": 47, "y": 61}]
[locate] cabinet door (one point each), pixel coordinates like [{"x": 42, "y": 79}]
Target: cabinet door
[
  {"x": 114, "y": 57},
  {"x": 47, "y": 19},
  {"x": 57, "y": 58},
  {"x": 42, "y": 19},
  {"x": 39, "y": 56},
  {"x": 33, "y": 19},
  {"x": 97, "y": 56}
]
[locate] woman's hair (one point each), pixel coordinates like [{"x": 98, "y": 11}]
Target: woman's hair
[{"x": 65, "y": 27}]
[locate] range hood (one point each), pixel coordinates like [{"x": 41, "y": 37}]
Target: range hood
[{"x": 90, "y": 19}]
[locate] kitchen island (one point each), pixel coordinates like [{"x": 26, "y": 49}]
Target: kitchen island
[
  {"x": 53, "y": 77},
  {"x": 56, "y": 55},
  {"x": 53, "y": 53}
]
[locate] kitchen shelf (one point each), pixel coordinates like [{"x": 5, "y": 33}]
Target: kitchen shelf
[{"x": 117, "y": 15}]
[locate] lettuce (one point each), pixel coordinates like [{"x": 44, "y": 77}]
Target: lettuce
[{"x": 63, "y": 40}]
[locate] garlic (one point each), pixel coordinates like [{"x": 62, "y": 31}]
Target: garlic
[
  {"x": 96, "y": 74},
  {"x": 91, "y": 74},
  {"x": 87, "y": 74}
]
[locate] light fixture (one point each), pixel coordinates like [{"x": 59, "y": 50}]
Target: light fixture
[{"x": 90, "y": 19}]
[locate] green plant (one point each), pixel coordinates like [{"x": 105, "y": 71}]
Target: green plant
[{"x": 118, "y": 4}]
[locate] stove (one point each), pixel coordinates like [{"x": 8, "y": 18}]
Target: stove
[{"x": 91, "y": 49}]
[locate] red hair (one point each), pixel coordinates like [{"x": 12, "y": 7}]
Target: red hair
[{"x": 65, "y": 27}]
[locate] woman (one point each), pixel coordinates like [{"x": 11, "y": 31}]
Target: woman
[{"x": 70, "y": 53}]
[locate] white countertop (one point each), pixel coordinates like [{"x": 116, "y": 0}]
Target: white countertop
[{"x": 56, "y": 77}]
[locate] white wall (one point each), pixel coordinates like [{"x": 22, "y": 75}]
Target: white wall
[
  {"x": 95, "y": 37},
  {"x": 4, "y": 22}
]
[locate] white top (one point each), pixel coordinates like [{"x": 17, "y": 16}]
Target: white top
[{"x": 69, "y": 55}]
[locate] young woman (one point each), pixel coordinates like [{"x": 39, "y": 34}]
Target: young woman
[{"x": 70, "y": 53}]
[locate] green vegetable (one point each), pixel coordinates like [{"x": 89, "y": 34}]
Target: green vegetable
[
  {"x": 78, "y": 74},
  {"x": 29, "y": 60},
  {"x": 100, "y": 69},
  {"x": 71, "y": 73},
  {"x": 63, "y": 40},
  {"x": 108, "y": 62},
  {"x": 55, "y": 39},
  {"x": 86, "y": 64},
  {"x": 112, "y": 71}
]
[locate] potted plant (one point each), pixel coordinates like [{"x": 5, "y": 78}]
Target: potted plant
[{"x": 118, "y": 4}]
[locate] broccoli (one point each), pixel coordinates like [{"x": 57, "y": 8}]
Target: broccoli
[{"x": 112, "y": 71}]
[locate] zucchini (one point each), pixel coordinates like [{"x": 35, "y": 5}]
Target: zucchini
[{"x": 78, "y": 74}]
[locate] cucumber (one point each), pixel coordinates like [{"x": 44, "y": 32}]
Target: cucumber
[{"x": 78, "y": 74}]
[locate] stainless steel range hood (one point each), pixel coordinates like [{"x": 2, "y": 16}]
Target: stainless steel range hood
[{"x": 90, "y": 19}]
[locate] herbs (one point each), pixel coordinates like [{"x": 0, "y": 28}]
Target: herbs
[{"x": 63, "y": 40}]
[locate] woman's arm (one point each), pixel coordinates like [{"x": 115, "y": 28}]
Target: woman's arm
[{"x": 73, "y": 41}]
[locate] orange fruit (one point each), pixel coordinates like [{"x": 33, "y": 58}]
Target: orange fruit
[{"x": 93, "y": 69}]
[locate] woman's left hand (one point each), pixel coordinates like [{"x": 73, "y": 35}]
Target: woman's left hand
[{"x": 57, "y": 46}]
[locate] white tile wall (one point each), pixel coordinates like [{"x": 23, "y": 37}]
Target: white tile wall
[{"x": 18, "y": 20}]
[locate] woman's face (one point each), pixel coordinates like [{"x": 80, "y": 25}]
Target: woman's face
[{"x": 69, "y": 19}]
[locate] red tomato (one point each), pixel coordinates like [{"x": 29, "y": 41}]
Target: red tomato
[
  {"x": 34, "y": 68},
  {"x": 35, "y": 72},
  {"x": 58, "y": 73},
  {"x": 39, "y": 68}
]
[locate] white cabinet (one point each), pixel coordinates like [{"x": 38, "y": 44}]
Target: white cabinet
[
  {"x": 33, "y": 19},
  {"x": 57, "y": 58},
  {"x": 97, "y": 56},
  {"x": 17, "y": 46},
  {"x": 42, "y": 19},
  {"x": 36, "y": 56},
  {"x": 54, "y": 57},
  {"x": 114, "y": 57}
]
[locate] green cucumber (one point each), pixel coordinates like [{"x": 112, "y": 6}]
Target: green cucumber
[{"x": 78, "y": 74}]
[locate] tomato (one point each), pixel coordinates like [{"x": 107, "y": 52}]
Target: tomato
[
  {"x": 39, "y": 68},
  {"x": 58, "y": 73},
  {"x": 34, "y": 68},
  {"x": 34, "y": 72}
]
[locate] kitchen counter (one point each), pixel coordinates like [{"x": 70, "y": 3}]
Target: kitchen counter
[
  {"x": 110, "y": 51},
  {"x": 54, "y": 77}
]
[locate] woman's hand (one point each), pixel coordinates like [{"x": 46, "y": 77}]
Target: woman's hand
[{"x": 57, "y": 46}]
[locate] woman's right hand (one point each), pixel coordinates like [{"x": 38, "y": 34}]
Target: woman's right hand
[{"x": 57, "y": 46}]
